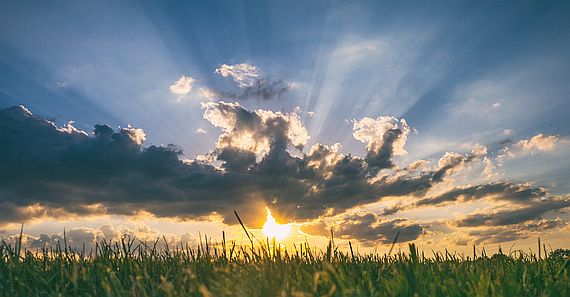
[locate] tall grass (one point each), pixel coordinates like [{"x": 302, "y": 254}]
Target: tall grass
[{"x": 133, "y": 268}]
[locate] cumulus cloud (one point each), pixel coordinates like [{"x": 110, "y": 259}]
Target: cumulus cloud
[
  {"x": 537, "y": 143},
  {"x": 384, "y": 137},
  {"x": 49, "y": 171},
  {"x": 254, "y": 131},
  {"x": 182, "y": 86},
  {"x": 261, "y": 159}
]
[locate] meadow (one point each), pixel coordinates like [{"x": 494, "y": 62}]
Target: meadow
[{"x": 133, "y": 268}]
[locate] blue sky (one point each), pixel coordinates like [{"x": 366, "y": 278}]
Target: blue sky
[{"x": 461, "y": 74}]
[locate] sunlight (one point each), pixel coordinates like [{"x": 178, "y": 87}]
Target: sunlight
[{"x": 272, "y": 229}]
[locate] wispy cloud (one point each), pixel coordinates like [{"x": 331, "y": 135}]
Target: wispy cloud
[
  {"x": 244, "y": 75},
  {"x": 251, "y": 82}
]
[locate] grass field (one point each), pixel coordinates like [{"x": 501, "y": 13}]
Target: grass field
[{"x": 131, "y": 268}]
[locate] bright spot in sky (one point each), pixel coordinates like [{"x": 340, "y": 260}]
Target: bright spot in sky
[{"x": 272, "y": 229}]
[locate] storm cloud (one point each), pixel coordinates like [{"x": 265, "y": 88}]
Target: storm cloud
[
  {"x": 49, "y": 170},
  {"x": 260, "y": 159}
]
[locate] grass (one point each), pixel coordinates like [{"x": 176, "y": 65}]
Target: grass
[{"x": 133, "y": 268}]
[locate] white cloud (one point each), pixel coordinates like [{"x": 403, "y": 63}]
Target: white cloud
[
  {"x": 182, "y": 86},
  {"x": 539, "y": 142},
  {"x": 200, "y": 131},
  {"x": 244, "y": 75},
  {"x": 253, "y": 130},
  {"x": 136, "y": 134},
  {"x": 206, "y": 94},
  {"x": 372, "y": 132},
  {"x": 489, "y": 170}
]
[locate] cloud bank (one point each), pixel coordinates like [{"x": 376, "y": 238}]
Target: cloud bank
[{"x": 260, "y": 159}]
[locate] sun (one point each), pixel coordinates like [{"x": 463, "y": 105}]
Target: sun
[{"x": 272, "y": 229}]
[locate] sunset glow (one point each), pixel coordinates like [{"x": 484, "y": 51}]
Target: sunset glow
[{"x": 371, "y": 118}]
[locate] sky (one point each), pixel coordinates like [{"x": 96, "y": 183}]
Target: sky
[{"x": 444, "y": 122}]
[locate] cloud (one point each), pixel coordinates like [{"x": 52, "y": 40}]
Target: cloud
[
  {"x": 537, "y": 143},
  {"x": 517, "y": 193},
  {"x": 503, "y": 217},
  {"x": 384, "y": 137},
  {"x": 251, "y": 82},
  {"x": 259, "y": 160},
  {"x": 244, "y": 75},
  {"x": 499, "y": 191},
  {"x": 368, "y": 228},
  {"x": 80, "y": 238},
  {"x": 206, "y": 94},
  {"x": 498, "y": 234},
  {"x": 254, "y": 131},
  {"x": 80, "y": 235},
  {"x": 182, "y": 86},
  {"x": 452, "y": 161}
]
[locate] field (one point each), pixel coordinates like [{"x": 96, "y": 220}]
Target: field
[{"x": 131, "y": 268}]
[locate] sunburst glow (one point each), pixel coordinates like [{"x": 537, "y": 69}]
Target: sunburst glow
[{"x": 272, "y": 229}]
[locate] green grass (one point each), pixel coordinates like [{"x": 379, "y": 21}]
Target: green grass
[{"x": 131, "y": 268}]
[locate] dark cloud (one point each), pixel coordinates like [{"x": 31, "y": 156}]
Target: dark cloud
[
  {"x": 532, "y": 211},
  {"x": 49, "y": 171},
  {"x": 495, "y": 235},
  {"x": 502, "y": 191},
  {"x": 517, "y": 232},
  {"x": 80, "y": 238},
  {"x": 44, "y": 241},
  {"x": 265, "y": 89},
  {"x": 319, "y": 228},
  {"x": 506, "y": 191},
  {"x": 370, "y": 229},
  {"x": 544, "y": 224}
]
